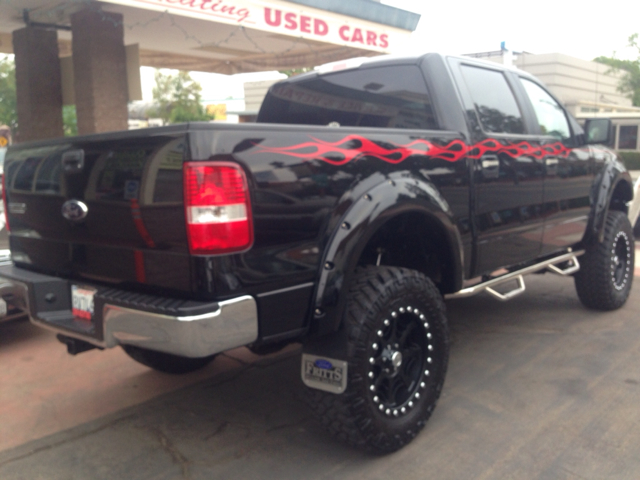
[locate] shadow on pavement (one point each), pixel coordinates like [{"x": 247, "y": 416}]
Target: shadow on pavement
[{"x": 538, "y": 387}]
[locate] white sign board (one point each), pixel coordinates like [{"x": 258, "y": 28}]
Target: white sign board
[{"x": 284, "y": 18}]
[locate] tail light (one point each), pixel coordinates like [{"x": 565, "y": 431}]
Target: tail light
[
  {"x": 4, "y": 201},
  {"x": 217, "y": 207}
]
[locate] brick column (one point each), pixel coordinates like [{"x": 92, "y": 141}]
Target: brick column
[
  {"x": 99, "y": 66},
  {"x": 38, "y": 85}
]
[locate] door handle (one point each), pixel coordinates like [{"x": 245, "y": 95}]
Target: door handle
[
  {"x": 490, "y": 161},
  {"x": 551, "y": 166},
  {"x": 490, "y": 166}
]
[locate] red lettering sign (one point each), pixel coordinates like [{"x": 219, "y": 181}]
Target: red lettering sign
[
  {"x": 216, "y": 6},
  {"x": 371, "y": 38},
  {"x": 384, "y": 40},
  {"x": 357, "y": 36},
  {"x": 320, "y": 27},
  {"x": 290, "y": 21},
  {"x": 344, "y": 33},
  {"x": 273, "y": 21},
  {"x": 305, "y": 24}
]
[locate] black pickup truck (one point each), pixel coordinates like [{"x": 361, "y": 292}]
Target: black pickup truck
[{"x": 342, "y": 219}]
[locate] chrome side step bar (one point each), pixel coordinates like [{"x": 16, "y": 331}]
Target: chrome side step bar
[
  {"x": 510, "y": 294},
  {"x": 517, "y": 275}
]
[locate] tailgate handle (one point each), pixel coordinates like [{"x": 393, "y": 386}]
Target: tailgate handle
[{"x": 73, "y": 161}]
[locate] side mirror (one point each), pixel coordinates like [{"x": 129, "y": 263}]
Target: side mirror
[{"x": 599, "y": 130}]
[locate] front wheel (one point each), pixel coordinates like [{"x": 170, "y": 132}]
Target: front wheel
[
  {"x": 166, "y": 362},
  {"x": 606, "y": 273},
  {"x": 398, "y": 349}
]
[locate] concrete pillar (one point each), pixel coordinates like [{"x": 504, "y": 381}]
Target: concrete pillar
[
  {"x": 38, "y": 87},
  {"x": 99, "y": 66}
]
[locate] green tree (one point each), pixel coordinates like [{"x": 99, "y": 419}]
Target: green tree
[
  {"x": 178, "y": 99},
  {"x": 630, "y": 69},
  {"x": 69, "y": 120},
  {"x": 8, "y": 106}
]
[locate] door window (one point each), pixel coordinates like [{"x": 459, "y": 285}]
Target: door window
[
  {"x": 494, "y": 101},
  {"x": 550, "y": 115},
  {"x": 628, "y": 137}
]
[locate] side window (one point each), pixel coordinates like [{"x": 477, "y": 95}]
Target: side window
[
  {"x": 372, "y": 97},
  {"x": 628, "y": 137},
  {"x": 550, "y": 115},
  {"x": 494, "y": 101}
]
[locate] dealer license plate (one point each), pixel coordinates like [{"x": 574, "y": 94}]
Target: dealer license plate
[{"x": 82, "y": 302}]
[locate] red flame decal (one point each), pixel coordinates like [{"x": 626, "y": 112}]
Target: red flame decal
[{"x": 340, "y": 152}]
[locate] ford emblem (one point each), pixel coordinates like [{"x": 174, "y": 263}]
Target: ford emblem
[
  {"x": 74, "y": 210},
  {"x": 324, "y": 364}
]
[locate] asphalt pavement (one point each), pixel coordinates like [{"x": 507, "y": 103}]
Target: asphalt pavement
[{"x": 538, "y": 387}]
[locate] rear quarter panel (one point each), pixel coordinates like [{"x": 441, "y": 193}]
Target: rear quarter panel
[{"x": 303, "y": 181}]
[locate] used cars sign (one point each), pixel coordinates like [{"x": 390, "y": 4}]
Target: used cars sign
[{"x": 279, "y": 17}]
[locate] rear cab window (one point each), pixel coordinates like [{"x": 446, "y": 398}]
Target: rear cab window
[{"x": 370, "y": 97}]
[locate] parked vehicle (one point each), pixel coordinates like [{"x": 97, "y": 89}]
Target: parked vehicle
[
  {"x": 360, "y": 201},
  {"x": 3, "y": 218},
  {"x": 634, "y": 207}
]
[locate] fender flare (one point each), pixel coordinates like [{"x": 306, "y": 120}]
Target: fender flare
[
  {"x": 608, "y": 180},
  {"x": 358, "y": 224}
]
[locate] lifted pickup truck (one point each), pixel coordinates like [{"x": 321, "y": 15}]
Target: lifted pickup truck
[{"x": 360, "y": 200}]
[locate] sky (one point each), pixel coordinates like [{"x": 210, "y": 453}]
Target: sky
[{"x": 585, "y": 29}]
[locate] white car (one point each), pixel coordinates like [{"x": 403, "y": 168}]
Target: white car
[
  {"x": 634, "y": 207},
  {"x": 3, "y": 219}
]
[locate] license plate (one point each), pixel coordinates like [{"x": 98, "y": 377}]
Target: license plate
[{"x": 82, "y": 302}]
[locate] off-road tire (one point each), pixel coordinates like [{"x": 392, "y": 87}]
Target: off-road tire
[
  {"x": 388, "y": 310},
  {"x": 166, "y": 362},
  {"x": 606, "y": 269}
]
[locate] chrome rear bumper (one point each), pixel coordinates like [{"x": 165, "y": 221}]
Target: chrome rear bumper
[
  {"x": 228, "y": 324},
  {"x": 233, "y": 324}
]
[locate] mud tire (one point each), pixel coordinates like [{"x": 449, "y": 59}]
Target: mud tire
[
  {"x": 388, "y": 418},
  {"x": 606, "y": 269}
]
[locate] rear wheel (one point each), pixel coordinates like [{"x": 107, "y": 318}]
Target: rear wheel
[
  {"x": 606, "y": 273},
  {"x": 398, "y": 348},
  {"x": 166, "y": 362}
]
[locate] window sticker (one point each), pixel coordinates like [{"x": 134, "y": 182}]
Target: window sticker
[{"x": 131, "y": 188}]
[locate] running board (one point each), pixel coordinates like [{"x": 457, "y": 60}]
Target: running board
[{"x": 517, "y": 275}]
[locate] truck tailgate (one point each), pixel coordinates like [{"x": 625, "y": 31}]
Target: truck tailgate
[{"x": 107, "y": 209}]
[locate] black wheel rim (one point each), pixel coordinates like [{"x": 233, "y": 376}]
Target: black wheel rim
[
  {"x": 400, "y": 362},
  {"x": 620, "y": 260}
]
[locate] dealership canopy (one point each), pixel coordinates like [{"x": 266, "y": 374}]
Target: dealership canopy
[
  {"x": 88, "y": 53},
  {"x": 230, "y": 36}
]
